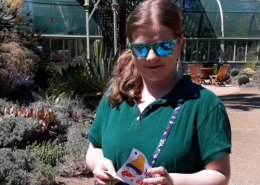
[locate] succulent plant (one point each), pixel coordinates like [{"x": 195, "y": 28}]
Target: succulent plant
[
  {"x": 234, "y": 72},
  {"x": 43, "y": 116},
  {"x": 243, "y": 73},
  {"x": 87, "y": 79},
  {"x": 49, "y": 152},
  {"x": 249, "y": 71},
  {"x": 243, "y": 79}
]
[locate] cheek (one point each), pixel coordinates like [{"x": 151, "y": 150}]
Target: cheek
[{"x": 138, "y": 63}]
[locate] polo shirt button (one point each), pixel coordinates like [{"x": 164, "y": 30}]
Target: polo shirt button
[
  {"x": 150, "y": 106},
  {"x": 138, "y": 117}
]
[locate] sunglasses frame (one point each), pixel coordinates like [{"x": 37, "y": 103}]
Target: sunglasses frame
[{"x": 152, "y": 46}]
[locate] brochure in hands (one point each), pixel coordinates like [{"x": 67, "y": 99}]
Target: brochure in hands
[{"x": 134, "y": 171}]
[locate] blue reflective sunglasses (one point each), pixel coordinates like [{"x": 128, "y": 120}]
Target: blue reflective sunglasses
[{"x": 161, "y": 48}]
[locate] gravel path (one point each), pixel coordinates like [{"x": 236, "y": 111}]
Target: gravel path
[{"x": 243, "y": 108}]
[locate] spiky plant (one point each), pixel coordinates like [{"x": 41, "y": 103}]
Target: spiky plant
[{"x": 87, "y": 79}]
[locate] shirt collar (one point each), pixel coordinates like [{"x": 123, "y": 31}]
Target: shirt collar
[{"x": 178, "y": 92}]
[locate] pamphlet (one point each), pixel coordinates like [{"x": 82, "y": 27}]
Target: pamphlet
[{"x": 134, "y": 171}]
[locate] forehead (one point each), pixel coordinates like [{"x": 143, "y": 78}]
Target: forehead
[{"x": 151, "y": 34}]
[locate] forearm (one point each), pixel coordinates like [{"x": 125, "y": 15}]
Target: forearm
[
  {"x": 203, "y": 177},
  {"x": 93, "y": 156}
]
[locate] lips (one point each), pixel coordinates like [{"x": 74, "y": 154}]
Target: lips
[{"x": 153, "y": 67}]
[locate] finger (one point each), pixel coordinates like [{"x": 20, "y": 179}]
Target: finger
[
  {"x": 156, "y": 180},
  {"x": 102, "y": 182},
  {"x": 99, "y": 174},
  {"x": 105, "y": 182},
  {"x": 158, "y": 170},
  {"x": 109, "y": 166},
  {"x": 115, "y": 181}
]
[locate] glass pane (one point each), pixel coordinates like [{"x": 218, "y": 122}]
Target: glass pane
[
  {"x": 203, "y": 51},
  {"x": 190, "y": 50},
  {"x": 44, "y": 46},
  {"x": 214, "y": 51},
  {"x": 194, "y": 46},
  {"x": 191, "y": 23},
  {"x": 229, "y": 50},
  {"x": 60, "y": 17},
  {"x": 240, "y": 50},
  {"x": 182, "y": 56},
  {"x": 57, "y": 53},
  {"x": 251, "y": 51}
]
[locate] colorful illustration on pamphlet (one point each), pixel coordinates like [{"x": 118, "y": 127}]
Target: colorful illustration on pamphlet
[{"x": 134, "y": 170}]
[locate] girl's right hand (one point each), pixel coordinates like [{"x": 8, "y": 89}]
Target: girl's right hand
[{"x": 100, "y": 176}]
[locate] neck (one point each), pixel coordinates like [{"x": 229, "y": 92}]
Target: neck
[{"x": 160, "y": 88}]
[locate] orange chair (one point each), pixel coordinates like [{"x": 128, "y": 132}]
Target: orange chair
[
  {"x": 219, "y": 79},
  {"x": 196, "y": 78}
]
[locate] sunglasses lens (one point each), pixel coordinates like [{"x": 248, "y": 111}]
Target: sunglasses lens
[
  {"x": 139, "y": 50},
  {"x": 164, "y": 48}
]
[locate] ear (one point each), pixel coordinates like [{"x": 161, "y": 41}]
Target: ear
[{"x": 180, "y": 40}]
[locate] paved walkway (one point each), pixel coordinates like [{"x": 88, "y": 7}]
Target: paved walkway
[
  {"x": 243, "y": 109},
  {"x": 221, "y": 90}
]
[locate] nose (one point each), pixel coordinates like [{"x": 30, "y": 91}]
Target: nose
[{"x": 151, "y": 55}]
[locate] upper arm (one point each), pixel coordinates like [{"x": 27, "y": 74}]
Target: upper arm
[{"x": 221, "y": 165}]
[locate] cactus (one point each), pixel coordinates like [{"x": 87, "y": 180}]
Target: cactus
[
  {"x": 234, "y": 72},
  {"x": 227, "y": 76},
  {"x": 243, "y": 73},
  {"x": 243, "y": 79}
]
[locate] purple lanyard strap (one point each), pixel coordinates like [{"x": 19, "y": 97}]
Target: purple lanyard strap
[{"x": 165, "y": 134}]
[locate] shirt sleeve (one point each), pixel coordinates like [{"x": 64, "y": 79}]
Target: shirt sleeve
[
  {"x": 214, "y": 136},
  {"x": 95, "y": 133}
]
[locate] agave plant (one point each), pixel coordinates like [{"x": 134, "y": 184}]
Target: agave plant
[
  {"x": 43, "y": 116},
  {"x": 89, "y": 79}
]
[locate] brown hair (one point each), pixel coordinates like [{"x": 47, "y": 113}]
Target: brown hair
[{"x": 126, "y": 81}]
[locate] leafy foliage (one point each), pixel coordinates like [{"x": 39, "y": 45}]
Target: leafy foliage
[
  {"x": 49, "y": 152},
  {"x": 23, "y": 168}
]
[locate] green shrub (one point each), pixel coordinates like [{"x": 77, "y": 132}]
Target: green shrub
[
  {"x": 23, "y": 168},
  {"x": 2, "y": 107},
  {"x": 234, "y": 72},
  {"x": 76, "y": 147},
  {"x": 243, "y": 79},
  {"x": 243, "y": 73},
  {"x": 49, "y": 153},
  {"x": 16, "y": 131}
]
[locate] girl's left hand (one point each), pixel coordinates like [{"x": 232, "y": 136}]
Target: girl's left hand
[{"x": 161, "y": 176}]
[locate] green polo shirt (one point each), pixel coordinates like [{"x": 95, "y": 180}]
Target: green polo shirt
[{"x": 201, "y": 132}]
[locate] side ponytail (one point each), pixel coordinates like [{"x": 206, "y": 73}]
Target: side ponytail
[{"x": 126, "y": 81}]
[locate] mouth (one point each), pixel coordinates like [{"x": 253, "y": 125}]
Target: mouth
[{"x": 153, "y": 67}]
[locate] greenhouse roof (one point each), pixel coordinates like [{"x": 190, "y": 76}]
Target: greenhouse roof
[
  {"x": 201, "y": 18},
  {"x": 69, "y": 17}
]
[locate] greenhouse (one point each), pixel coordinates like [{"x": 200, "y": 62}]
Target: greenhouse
[
  {"x": 215, "y": 31},
  {"x": 65, "y": 36}
]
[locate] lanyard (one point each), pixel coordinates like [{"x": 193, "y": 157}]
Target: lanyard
[{"x": 165, "y": 134}]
